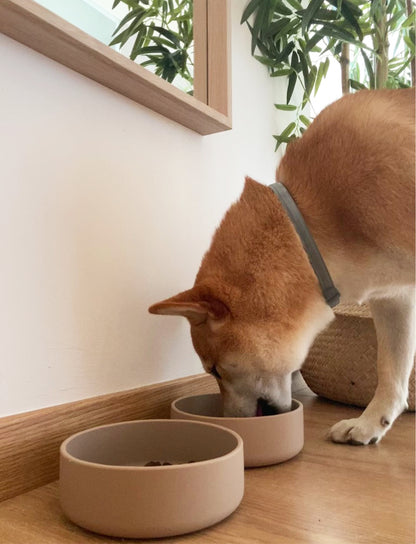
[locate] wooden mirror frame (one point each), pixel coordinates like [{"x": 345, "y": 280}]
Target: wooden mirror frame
[{"x": 207, "y": 112}]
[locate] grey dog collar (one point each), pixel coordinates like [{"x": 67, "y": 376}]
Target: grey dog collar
[{"x": 329, "y": 291}]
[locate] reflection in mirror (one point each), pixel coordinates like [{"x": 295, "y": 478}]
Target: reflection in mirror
[{"x": 157, "y": 34}]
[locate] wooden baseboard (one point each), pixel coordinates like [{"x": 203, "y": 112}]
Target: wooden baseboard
[{"x": 29, "y": 442}]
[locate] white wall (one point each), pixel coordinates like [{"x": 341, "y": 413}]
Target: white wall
[{"x": 106, "y": 208}]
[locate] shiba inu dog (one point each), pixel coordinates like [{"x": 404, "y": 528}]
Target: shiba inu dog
[{"x": 256, "y": 305}]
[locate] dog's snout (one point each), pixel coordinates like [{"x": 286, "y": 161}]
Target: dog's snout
[
  {"x": 265, "y": 408},
  {"x": 268, "y": 408}
]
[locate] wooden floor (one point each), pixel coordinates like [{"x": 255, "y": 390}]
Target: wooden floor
[{"x": 328, "y": 494}]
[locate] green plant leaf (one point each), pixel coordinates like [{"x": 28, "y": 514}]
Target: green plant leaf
[
  {"x": 326, "y": 15},
  {"x": 138, "y": 43},
  {"x": 278, "y": 143},
  {"x": 265, "y": 60},
  {"x": 276, "y": 27},
  {"x": 319, "y": 76},
  {"x": 396, "y": 18},
  {"x": 331, "y": 45},
  {"x": 401, "y": 68},
  {"x": 261, "y": 14},
  {"x": 338, "y": 49},
  {"x": 354, "y": 6},
  {"x": 284, "y": 55},
  {"x": 356, "y": 85},
  {"x": 288, "y": 130},
  {"x": 295, "y": 63},
  {"x": 410, "y": 21},
  {"x": 350, "y": 16},
  {"x": 132, "y": 14},
  {"x": 249, "y": 10},
  {"x": 291, "y": 86},
  {"x": 305, "y": 62},
  {"x": 309, "y": 13},
  {"x": 281, "y": 8},
  {"x": 166, "y": 43},
  {"x": 309, "y": 83},
  {"x": 154, "y": 49},
  {"x": 369, "y": 68},
  {"x": 332, "y": 31},
  {"x": 305, "y": 120},
  {"x": 295, "y": 4},
  {"x": 291, "y": 29},
  {"x": 121, "y": 38},
  {"x": 410, "y": 44},
  {"x": 286, "y": 136},
  {"x": 172, "y": 36},
  {"x": 285, "y": 107},
  {"x": 280, "y": 73},
  {"x": 327, "y": 62},
  {"x": 312, "y": 42}
]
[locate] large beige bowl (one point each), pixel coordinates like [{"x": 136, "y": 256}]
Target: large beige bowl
[
  {"x": 105, "y": 486},
  {"x": 267, "y": 439}
]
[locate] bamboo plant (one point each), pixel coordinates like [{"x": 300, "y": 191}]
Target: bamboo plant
[{"x": 287, "y": 35}]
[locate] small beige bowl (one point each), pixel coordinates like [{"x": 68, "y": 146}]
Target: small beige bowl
[
  {"x": 267, "y": 439},
  {"x": 105, "y": 486}
]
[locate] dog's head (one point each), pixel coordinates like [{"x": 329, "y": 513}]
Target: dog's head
[{"x": 256, "y": 305}]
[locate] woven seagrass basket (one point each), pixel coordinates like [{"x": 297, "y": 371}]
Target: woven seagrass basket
[{"x": 342, "y": 363}]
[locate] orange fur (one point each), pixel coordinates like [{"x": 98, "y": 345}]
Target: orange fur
[
  {"x": 353, "y": 172},
  {"x": 256, "y": 305}
]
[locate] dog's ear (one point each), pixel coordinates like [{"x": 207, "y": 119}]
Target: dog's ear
[{"x": 188, "y": 305}]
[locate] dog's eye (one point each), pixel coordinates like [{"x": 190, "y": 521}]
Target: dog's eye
[{"x": 215, "y": 372}]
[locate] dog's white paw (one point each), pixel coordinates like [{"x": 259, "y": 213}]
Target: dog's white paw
[{"x": 358, "y": 431}]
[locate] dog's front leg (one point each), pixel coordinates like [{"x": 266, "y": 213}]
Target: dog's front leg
[{"x": 394, "y": 320}]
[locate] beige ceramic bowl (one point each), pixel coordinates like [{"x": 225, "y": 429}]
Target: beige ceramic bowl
[
  {"x": 267, "y": 439},
  {"x": 105, "y": 486}
]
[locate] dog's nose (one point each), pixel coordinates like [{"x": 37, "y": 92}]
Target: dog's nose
[{"x": 264, "y": 408}]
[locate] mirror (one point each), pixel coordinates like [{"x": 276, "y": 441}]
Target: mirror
[{"x": 78, "y": 33}]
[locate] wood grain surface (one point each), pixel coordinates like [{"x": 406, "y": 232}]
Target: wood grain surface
[
  {"x": 219, "y": 56},
  {"x": 329, "y": 494},
  {"x": 29, "y": 442}
]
